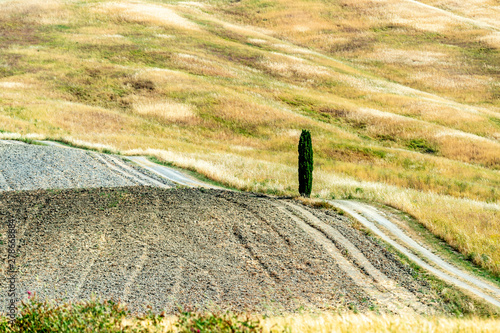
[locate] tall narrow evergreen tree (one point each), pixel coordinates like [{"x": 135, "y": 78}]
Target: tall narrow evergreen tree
[{"x": 305, "y": 164}]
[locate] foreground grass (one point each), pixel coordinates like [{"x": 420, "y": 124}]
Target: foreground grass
[
  {"x": 107, "y": 316},
  {"x": 403, "y": 107}
]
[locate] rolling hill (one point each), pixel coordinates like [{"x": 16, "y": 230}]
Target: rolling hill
[{"x": 401, "y": 97}]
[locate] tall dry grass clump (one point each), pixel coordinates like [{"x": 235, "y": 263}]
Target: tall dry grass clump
[
  {"x": 166, "y": 111},
  {"x": 146, "y": 13}
]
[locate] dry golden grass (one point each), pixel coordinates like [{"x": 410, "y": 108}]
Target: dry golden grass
[
  {"x": 411, "y": 57},
  {"x": 356, "y": 29},
  {"x": 8, "y": 84},
  {"x": 40, "y": 12},
  {"x": 486, "y": 11},
  {"x": 492, "y": 39},
  {"x": 250, "y": 115},
  {"x": 452, "y": 144},
  {"x": 288, "y": 66},
  {"x": 451, "y": 115},
  {"x": 415, "y": 16},
  {"x": 197, "y": 65},
  {"x": 100, "y": 39},
  {"x": 373, "y": 323},
  {"x": 166, "y": 111},
  {"x": 455, "y": 82},
  {"x": 345, "y": 323},
  {"x": 16, "y": 136},
  {"x": 146, "y": 13},
  {"x": 433, "y": 69},
  {"x": 163, "y": 76}
]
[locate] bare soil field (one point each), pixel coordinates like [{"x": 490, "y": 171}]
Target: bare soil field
[
  {"x": 212, "y": 249},
  {"x": 31, "y": 167}
]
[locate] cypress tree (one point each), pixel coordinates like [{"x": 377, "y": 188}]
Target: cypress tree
[{"x": 305, "y": 164}]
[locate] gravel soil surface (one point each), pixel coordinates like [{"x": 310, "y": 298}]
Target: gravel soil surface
[
  {"x": 31, "y": 167},
  {"x": 169, "y": 247}
]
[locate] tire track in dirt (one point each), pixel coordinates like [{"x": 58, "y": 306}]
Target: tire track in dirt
[
  {"x": 37, "y": 271},
  {"x": 131, "y": 171},
  {"x": 176, "y": 288},
  {"x": 117, "y": 170},
  {"x": 353, "y": 272},
  {"x": 262, "y": 218},
  {"x": 138, "y": 268},
  {"x": 244, "y": 244},
  {"x": 175, "y": 291},
  {"x": 207, "y": 273},
  {"x": 155, "y": 273},
  {"x": 87, "y": 270},
  {"x": 286, "y": 246},
  {"x": 377, "y": 285},
  {"x": 4, "y": 186}
]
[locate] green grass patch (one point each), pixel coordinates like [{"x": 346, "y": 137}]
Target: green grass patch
[
  {"x": 421, "y": 145},
  {"x": 91, "y": 316},
  {"x": 108, "y": 317}
]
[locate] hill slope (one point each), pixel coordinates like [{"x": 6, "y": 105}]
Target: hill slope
[{"x": 169, "y": 247}]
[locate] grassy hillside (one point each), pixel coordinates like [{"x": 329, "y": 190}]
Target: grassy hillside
[{"x": 402, "y": 100}]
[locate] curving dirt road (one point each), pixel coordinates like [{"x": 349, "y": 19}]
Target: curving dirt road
[
  {"x": 169, "y": 173},
  {"x": 370, "y": 217}
]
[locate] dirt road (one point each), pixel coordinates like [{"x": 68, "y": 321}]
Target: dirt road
[{"x": 371, "y": 218}]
